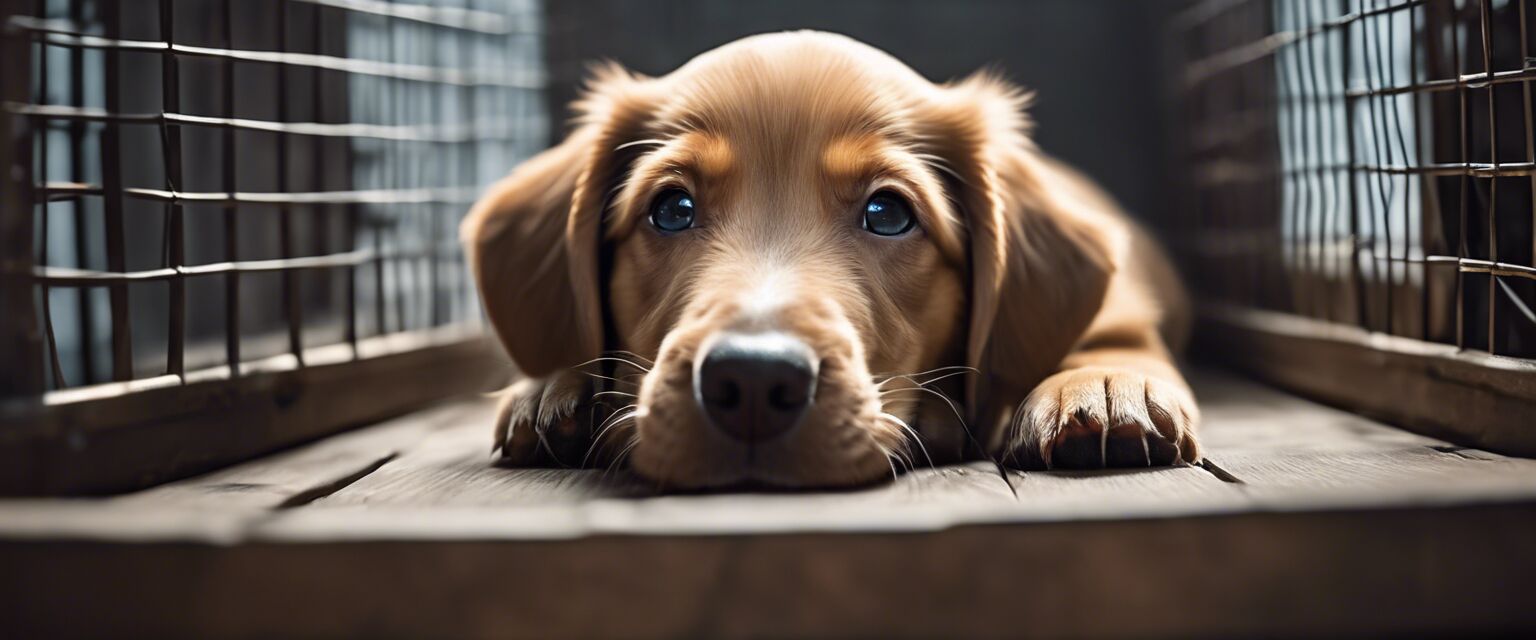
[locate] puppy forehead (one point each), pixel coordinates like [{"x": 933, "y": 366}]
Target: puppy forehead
[{"x": 840, "y": 160}]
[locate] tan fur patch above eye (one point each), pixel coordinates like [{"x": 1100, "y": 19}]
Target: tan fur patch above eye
[
  {"x": 712, "y": 155},
  {"x": 850, "y": 159}
]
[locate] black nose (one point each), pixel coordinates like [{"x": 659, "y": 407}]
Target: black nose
[{"x": 756, "y": 386}]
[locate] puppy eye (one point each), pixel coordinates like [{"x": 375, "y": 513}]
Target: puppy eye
[
  {"x": 886, "y": 214},
  {"x": 672, "y": 211}
]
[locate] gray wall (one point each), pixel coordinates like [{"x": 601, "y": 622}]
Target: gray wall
[{"x": 1094, "y": 63}]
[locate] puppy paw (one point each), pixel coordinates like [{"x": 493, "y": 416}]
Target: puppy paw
[
  {"x": 544, "y": 421},
  {"x": 1097, "y": 417}
]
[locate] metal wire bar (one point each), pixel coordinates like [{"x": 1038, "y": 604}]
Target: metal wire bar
[
  {"x": 449, "y": 195},
  {"x": 229, "y": 177},
  {"x": 1470, "y": 265},
  {"x": 53, "y": 35},
  {"x": 46, "y": 303},
  {"x": 1493, "y": 185},
  {"x": 291, "y": 285},
  {"x": 454, "y": 17},
  {"x": 1357, "y": 279},
  {"x": 1530, "y": 126},
  {"x": 1380, "y": 111},
  {"x": 112, "y": 185},
  {"x": 480, "y": 132},
  {"x": 86, "y": 326},
  {"x": 71, "y": 277},
  {"x": 1463, "y": 188},
  {"x": 175, "y": 250}
]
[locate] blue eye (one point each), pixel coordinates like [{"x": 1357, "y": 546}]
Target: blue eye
[
  {"x": 672, "y": 211},
  {"x": 886, "y": 214}
]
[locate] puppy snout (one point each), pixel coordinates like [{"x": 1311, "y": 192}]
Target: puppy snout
[{"x": 756, "y": 386}]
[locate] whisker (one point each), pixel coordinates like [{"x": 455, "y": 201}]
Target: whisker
[
  {"x": 619, "y": 459},
  {"x": 910, "y": 432},
  {"x": 946, "y": 376},
  {"x": 603, "y": 377},
  {"x": 621, "y": 352},
  {"x": 610, "y": 359},
  {"x": 636, "y": 143},
  {"x": 912, "y": 377},
  {"x": 971, "y": 435},
  {"x": 611, "y": 423},
  {"x": 889, "y": 460},
  {"x": 930, "y": 371},
  {"x": 617, "y": 393},
  {"x": 951, "y": 403},
  {"x": 544, "y": 444}
]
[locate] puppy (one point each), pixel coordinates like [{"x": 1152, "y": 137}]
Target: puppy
[{"x": 796, "y": 262}]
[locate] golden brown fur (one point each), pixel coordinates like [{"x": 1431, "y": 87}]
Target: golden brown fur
[{"x": 1021, "y": 270}]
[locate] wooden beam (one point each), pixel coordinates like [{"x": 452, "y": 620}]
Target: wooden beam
[
  {"x": 20, "y": 341},
  {"x": 132, "y": 437},
  {"x": 1461, "y": 396},
  {"x": 1410, "y": 572}
]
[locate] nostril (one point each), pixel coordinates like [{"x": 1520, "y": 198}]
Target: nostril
[
  {"x": 784, "y": 397},
  {"x": 726, "y": 394}
]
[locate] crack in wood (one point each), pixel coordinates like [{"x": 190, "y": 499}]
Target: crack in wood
[
  {"x": 1457, "y": 451},
  {"x": 322, "y": 490},
  {"x": 1221, "y": 474}
]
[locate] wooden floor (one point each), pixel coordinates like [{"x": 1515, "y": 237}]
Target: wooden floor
[{"x": 1304, "y": 520}]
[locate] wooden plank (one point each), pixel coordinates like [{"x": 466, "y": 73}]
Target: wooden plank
[
  {"x": 1297, "y": 455},
  {"x": 1241, "y": 417},
  {"x": 455, "y": 468},
  {"x": 433, "y": 479},
  {"x": 1472, "y": 399},
  {"x": 1409, "y": 572},
  {"x": 447, "y": 482},
  {"x": 1420, "y": 477},
  {"x": 140, "y": 437},
  {"x": 287, "y": 479}
]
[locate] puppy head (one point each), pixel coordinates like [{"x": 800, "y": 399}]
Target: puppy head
[{"x": 780, "y": 225}]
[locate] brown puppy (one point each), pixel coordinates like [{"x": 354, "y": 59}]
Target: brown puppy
[{"x": 803, "y": 251}]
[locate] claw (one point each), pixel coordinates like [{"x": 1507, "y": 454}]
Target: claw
[
  {"x": 1104, "y": 446},
  {"x": 1146, "y": 448}
]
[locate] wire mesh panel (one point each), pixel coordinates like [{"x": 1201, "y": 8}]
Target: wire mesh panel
[
  {"x": 1367, "y": 162},
  {"x": 1361, "y": 210},
  {"x": 206, "y": 190},
  {"x": 216, "y": 182}
]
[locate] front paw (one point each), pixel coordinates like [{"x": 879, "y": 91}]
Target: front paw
[
  {"x": 1096, "y": 417},
  {"x": 544, "y": 421}
]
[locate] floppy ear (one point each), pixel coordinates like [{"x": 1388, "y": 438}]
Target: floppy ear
[
  {"x": 1039, "y": 269},
  {"x": 533, "y": 239}
]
